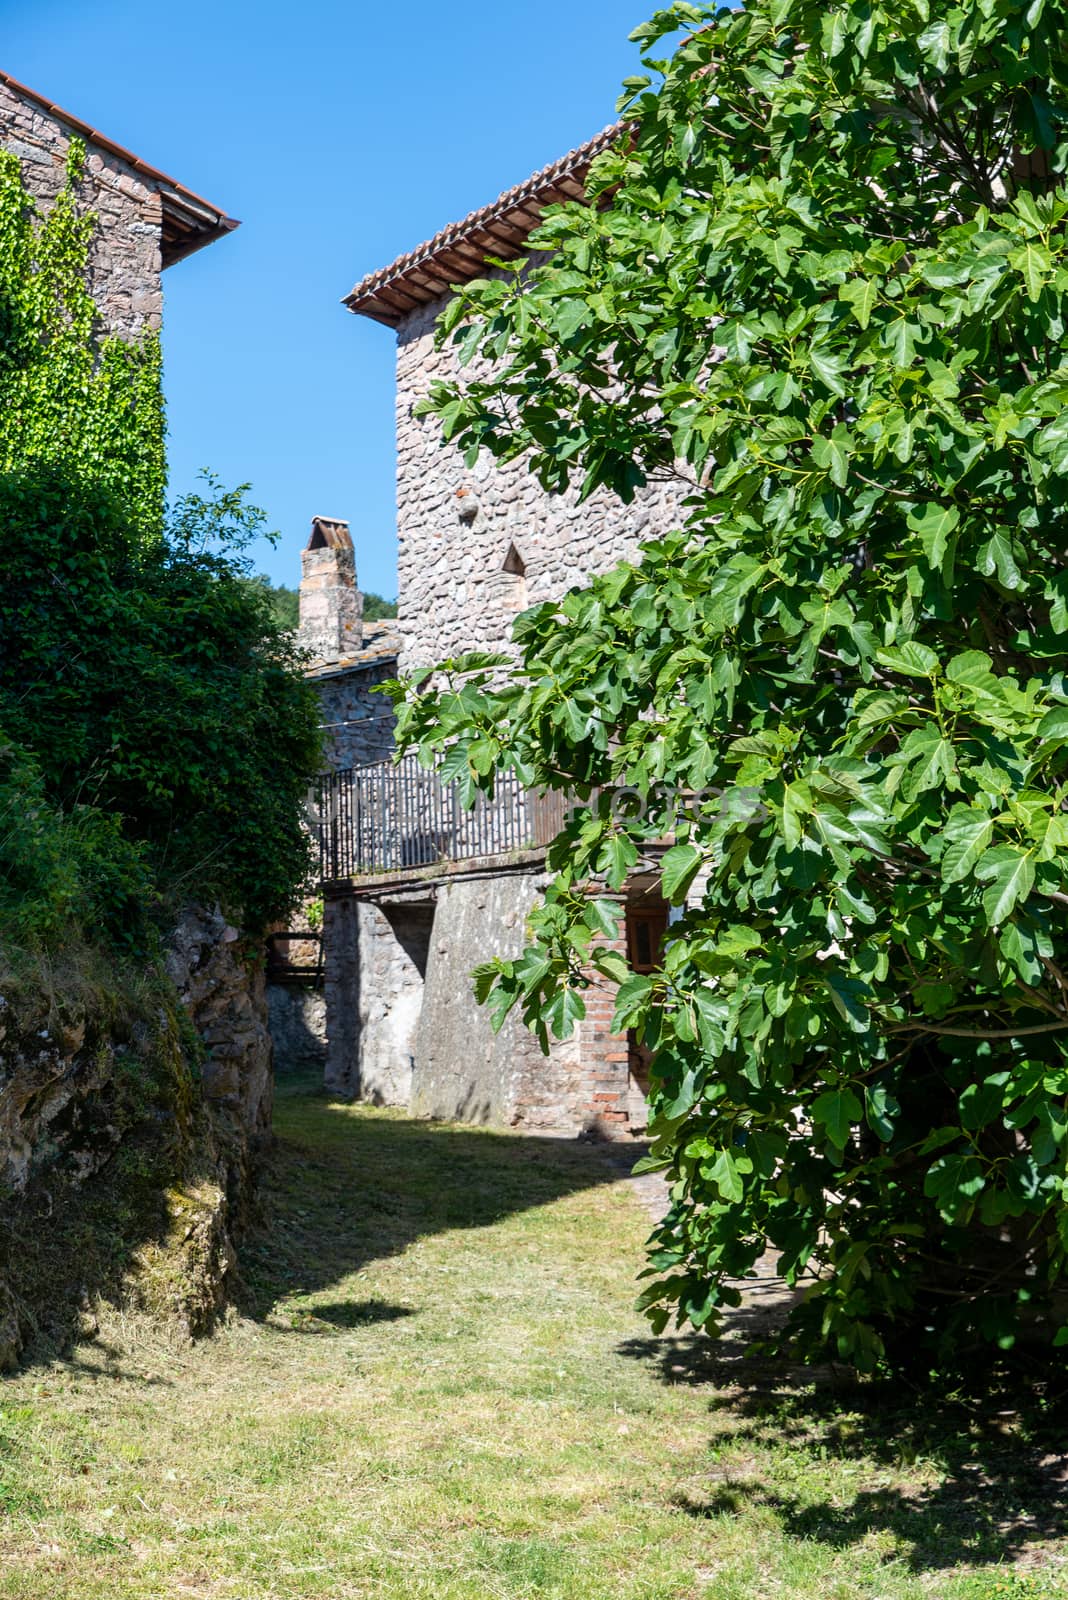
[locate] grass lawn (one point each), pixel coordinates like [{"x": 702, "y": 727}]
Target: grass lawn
[{"x": 439, "y": 1389}]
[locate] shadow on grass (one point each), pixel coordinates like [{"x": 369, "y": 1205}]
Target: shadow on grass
[
  {"x": 996, "y": 1454},
  {"x": 117, "y": 1150},
  {"x": 343, "y": 1314},
  {"x": 361, "y": 1314},
  {"x": 343, "y": 1189}
]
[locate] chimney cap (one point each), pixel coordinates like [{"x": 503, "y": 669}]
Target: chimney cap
[{"x": 329, "y": 533}]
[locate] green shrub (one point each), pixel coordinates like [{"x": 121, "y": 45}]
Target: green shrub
[
  {"x": 60, "y": 870},
  {"x": 166, "y": 735},
  {"x": 825, "y": 294},
  {"x": 153, "y": 683},
  {"x": 38, "y": 878}
]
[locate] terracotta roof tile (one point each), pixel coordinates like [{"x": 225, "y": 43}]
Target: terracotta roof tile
[
  {"x": 189, "y": 221},
  {"x": 458, "y": 253}
]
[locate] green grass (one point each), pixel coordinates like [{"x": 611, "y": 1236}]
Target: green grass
[{"x": 438, "y": 1389}]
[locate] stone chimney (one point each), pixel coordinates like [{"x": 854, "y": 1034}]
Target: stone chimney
[{"x": 331, "y": 606}]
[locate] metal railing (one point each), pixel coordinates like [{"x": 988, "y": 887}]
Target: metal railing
[{"x": 388, "y": 817}]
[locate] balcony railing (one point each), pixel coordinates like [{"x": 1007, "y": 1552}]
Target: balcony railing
[{"x": 391, "y": 817}]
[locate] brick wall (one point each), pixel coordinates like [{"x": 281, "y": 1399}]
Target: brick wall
[{"x": 604, "y": 1055}]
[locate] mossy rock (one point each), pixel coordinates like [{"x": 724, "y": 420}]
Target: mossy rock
[{"x": 125, "y": 1201}]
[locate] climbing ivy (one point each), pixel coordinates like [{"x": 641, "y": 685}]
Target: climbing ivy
[
  {"x": 156, "y": 735},
  {"x": 90, "y": 405}
]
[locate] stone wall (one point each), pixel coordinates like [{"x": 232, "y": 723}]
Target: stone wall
[
  {"x": 477, "y": 546},
  {"x": 297, "y": 1017},
  {"x": 125, "y": 261},
  {"x": 404, "y": 1028},
  {"x": 357, "y": 721},
  {"x": 463, "y": 1070},
  {"x": 225, "y": 995},
  {"x": 126, "y": 1163},
  {"x": 375, "y": 960}
]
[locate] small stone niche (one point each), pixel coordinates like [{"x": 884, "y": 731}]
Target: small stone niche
[{"x": 510, "y": 582}]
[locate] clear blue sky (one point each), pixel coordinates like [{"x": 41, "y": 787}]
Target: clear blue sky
[{"x": 341, "y": 135}]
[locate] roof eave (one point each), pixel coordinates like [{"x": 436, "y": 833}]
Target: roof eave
[
  {"x": 459, "y": 252},
  {"x": 188, "y": 227},
  {"x": 172, "y": 253},
  {"x": 199, "y": 218}
]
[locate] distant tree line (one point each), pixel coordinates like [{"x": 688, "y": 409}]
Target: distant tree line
[{"x": 285, "y": 604}]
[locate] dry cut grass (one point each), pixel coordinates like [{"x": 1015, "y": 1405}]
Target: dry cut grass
[{"x": 438, "y": 1391}]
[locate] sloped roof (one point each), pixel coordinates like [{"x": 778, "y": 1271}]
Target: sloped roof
[
  {"x": 189, "y": 221},
  {"x": 458, "y": 253},
  {"x": 381, "y": 643}
]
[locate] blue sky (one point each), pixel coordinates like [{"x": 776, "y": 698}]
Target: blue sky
[{"x": 341, "y": 135}]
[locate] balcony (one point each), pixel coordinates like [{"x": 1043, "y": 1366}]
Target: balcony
[{"x": 401, "y": 820}]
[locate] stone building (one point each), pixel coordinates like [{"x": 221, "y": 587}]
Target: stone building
[
  {"x": 349, "y": 660},
  {"x": 147, "y": 221},
  {"x": 68, "y": 1075},
  {"x": 416, "y": 891},
  {"x": 477, "y": 547}
]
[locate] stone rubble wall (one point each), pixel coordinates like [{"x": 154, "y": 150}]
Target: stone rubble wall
[
  {"x": 404, "y": 1028},
  {"x": 44, "y": 1071},
  {"x": 225, "y": 996},
  {"x": 464, "y": 1071},
  {"x": 297, "y": 1020},
  {"x": 374, "y": 965},
  {"x": 125, "y": 260},
  {"x": 341, "y": 987},
  {"x": 357, "y": 719},
  {"x": 455, "y": 593},
  {"x": 112, "y": 1133}
]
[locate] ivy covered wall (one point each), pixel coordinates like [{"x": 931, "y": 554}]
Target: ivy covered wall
[
  {"x": 156, "y": 736},
  {"x": 72, "y": 395}
]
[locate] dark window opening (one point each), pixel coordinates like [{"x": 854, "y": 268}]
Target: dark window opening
[{"x": 646, "y": 927}]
